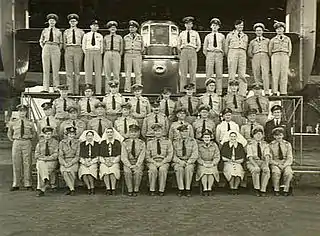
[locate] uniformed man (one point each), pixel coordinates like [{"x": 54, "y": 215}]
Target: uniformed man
[
  {"x": 140, "y": 106},
  {"x": 61, "y": 104},
  {"x": 47, "y": 120},
  {"x": 236, "y": 48},
  {"x": 72, "y": 121},
  {"x": 155, "y": 117},
  {"x": 281, "y": 161},
  {"x": 189, "y": 44},
  {"x": 51, "y": 44},
  {"x": 87, "y": 104},
  {"x": 100, "y": 122},
  {"x": 258, "y": 154},
  {"x": 277, "y": 121},
  {"x": 185, "y": 154},
  {"x": 225, "y": 126},
  {"x": 280, "y": 49},
  {"x": 69, "y": 156},
  {"x": 46, "y": 154},
  {"x": 204, "y": 123},
  {"x": 213, "y": 49},
  {"x": 133, "y": 49},
  {"x": 113, "y": 47},
  {"x": 258, "y": 51},
  {"x": 21, "y": 131},
  {"x": 235, "y": 102},
  {"x": 72, "y": 42},
  {"x": 113, "y": 101},
  {"x": 258, "y": 102},
  {"x": 133, "y": 153},
  {"x": 190, "y": 102},
  {"x": 123, "y": 123},
  {"x": 92, "y": 46},
  {"x": 181, "y": 114},
  {"x": 158, "y": 157},
  {"x": 212, "y": 99},
  {"x": 167, "y": 105},
  {"x": 247, "y": 129}
]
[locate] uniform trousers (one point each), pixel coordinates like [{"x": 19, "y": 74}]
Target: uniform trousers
[
  {"x": 262, "y": 170},
  {"x": 112, "y": 63},
  {"x": 50, "y": 57},
  {"x": 160, "y": 173},
  {"x": 261, "y": 68},
  {"x": 133, "y": 177},
  {"x": 45, "y": 170},
  {"x": 188, "y": 63},
  {"x": 184, "y": 176},
  {"x": 93, "y": 60},
  {"x": 21, "y": 162},
  {"x": 280, "y": 69},
  {"x": 73, "y": 59},
  {"x": 214, "y": 61},
  {"x": 132, "y": 59},
  {"x": 237, "y": 62},
  {"x": 287, "y": 175}
]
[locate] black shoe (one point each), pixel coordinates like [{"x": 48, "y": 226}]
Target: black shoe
[
  {"x": 29, "y": 188},
  {"x": 180, "y": 193},
  {"x": 263, "y": 194},
  {"x": 130, "y": 194},
  {"x": 39, "y": 193},
  {"x": 135, "y": 194},
  {"x": 46, "y": 182},
  {"x": 14, "y": 189},
  {"x": 44, "y": 91},
  {"x": 89, "y": 192},
  {"x": 54, "y": 189},
  {"x": 108, "y": 192},
  {"x": 210, "y": 192},
  {"x": 204, "y": 193},
  {"x": 188, "y": 193},
  {"x": 72, "y": 193},
  {"x": 237, "y": 192},
  {"x": 161, "y": 194},
  {"x": 68, "y": 192},
  {"x": 257, "y": 193},
  {"x": 276, "y": 193},
  {"x": 113, "y": 192},
  {"x": 286, "y": 194},
  {"x": 93, "y": 191},
  {"x": 152, "y": 193}
]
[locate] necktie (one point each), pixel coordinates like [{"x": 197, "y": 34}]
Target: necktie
[
  {"x": 138, "y": 106},
  {"x": 133, "y": 148},
  {"x": 203, "y": 126},
  {"x": 93, "y": 40},
  {"x": 166, "y": 108},
  {"x": 111, "y": 46},
  {"x": 113, "y": 103},
  {"x": 235, "y": 101},
  {"x": 251, "y": 129},
  {"x": 51, "y": 35},
  {"x": 125, "y": 126},
  {"x": 47, "y": 152},
  {"x": 280, "y": 37},
  {"x": 100, "y": 128},
  {"x": 64, "y": 104},
  {"x": 228, "y": 126},
  {"x": 259, "y": 105},
  {"x": 48, "y": 121},
  {"x": 74, "y": 123},
  {"x": 70, "y": 143},
  {"x": 280, "y": 152},
  {"x": 73, "y": 37},
  {"x": 188, "y": 36},
  {"x": 215, "y": 40},
  {"x": 190, "y": 108},
  {"x": 88, "y": 106},
  {"x": 210, "y": 101},
  {"x": 156, "y": 119},
  {"x": 259, "y": 150},
  {"x": 158, "y": 147},
  {"x": 239, "y": 35},
  {"x": 184, "y": 149},
  {"x": 22, "y": 129}
]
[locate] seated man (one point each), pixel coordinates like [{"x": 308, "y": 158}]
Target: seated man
[
  {"x": 100, "y": 122},
  {"x": 281, "y": 161},
  {"x": 258, "y": 154},
  {"x": 185, "y": 154},
  {"x": 158, "y": 156},
  {"x": 46, "y": 154},
  {"x": 87, "y": 103},
  {"x": 204, "y": 123},
  {"x": 133, "y": 152},
  {"x": 72, "y": 121},
  {"x": 181, "y": 114},
  {"x": 246, "y": 130},
  {"x": 123, "y": 123},
  {"x": 47, "y": 120},
  {"x": 226, "y": 125}
]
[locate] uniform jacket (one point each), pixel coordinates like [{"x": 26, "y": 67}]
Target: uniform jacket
[
  {"x": 198, "y": 127},
  {"x": 117, "y": 43},
  {"x": 119, "y": 100},
  {"x": 45, "y": 35},
  {"x": 174, "y": 133},
  {"x": 286, "y": 151},
  {"x": 14, "y": 131},
  {"x": 133, "y": 43},
  {"x": 83, "y": 106},
  {"x": 144, "y": 107},
  {"x": 280, "y": 45},
  {"x": 208, "y": 153},
  {"x": 150, "y": 119},
  {"x": 191, "y": 151},
  {"x": 58, "y": 107},
  {"x": 208, "y": 43},
  {"x": 270, "y": 125},
  {"x": 126, "y": 152},
  {"x": 68, "y": 34},
  {"x": 258, "y": 45},
  {"x": 233, "y": 41},
  {"x": 69, "y": 151},
  {"x": 40, "y": 151},
  {"x": 166, "y": 153}
]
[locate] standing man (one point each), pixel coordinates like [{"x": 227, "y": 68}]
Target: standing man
[
  {"x": 51, "y": 44},
  {"x": 167, "y": 105},
  {"x": 247, "y": 129},
  {"x": 87, "y": 104},
  {"x": 123, "y": 123},
  {"x": 236, "y": 48},
  {"x": 113, "y": 47},
  {"x": 48, "y": 120},
  {"x": 258, "y": 50},
  {"x": 190, "y": 102},
  {"x": 92, "y": 46},
  {"x": 213, "y": 47},
  {"x": 133, "y": 49},
  {"x": 72, "y": 42},
  {"x": 204, "y": 123},
  {"x": 20, "y": 132},
  {"x": 99, "y": 123},
  {"x": 280, "y": 49},
  {"x": 189, "y": 44}
]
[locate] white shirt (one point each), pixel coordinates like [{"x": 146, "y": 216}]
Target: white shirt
[
  {"x": 222, "y": 129},
  {"x": 86, "y": 42}
]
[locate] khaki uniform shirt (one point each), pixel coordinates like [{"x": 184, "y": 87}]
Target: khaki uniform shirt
[
  {"x": 245, "y": 130},
  {"x": 252, "y": 151},
  {"x": 251, "y": 103},
  {"x": 120, "y": 123},
  {"x": 228, "y": 102},
  {"x": 191, "y": 151},
  {"x": 198, "y": 127},
  {"x": 286, "y": 151},
  {"x": 86, "y": 42},
  {"x": 208, "y": 43},
  {"x": 258, "y": 45},
  {"x": 133, "y": 43},
  {"x": 175, "y": 134},
  {"x": 216, "y": 103},
  {"x": 117, "y": 43},
  {"x": 126, "y": 152},
  {"x": 144, "y": 107},
  {"x": 58, "y": 107},
  {"x": 68, "y": 34},
  {"x": 166, "y": 151},
  {"x": 93, "y": 124},
  {"x": 14, "y": 131},
  {"x": 83, "y": 106},
  {"x": 171, "y": 106},
  {"x": 45, "y": 36},
  {"x": 280, "y": 45},
  {"x": 108, "y": 101},
  {"x": 195, "y": 41},
  {"x": 69, "y": 151},
  {"x": 233, "y": 41},
  {"x": 48, "y": 121},
  {"x": 40, "y": 151},
  {"x": 150, "y": 119},
  {"x": 184, "y": 101},
  {"x": 79, "y": 124}
]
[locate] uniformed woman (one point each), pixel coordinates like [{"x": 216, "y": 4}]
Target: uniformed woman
[
  {"x": 109, "y": 158},
  {"x": 89, "y": 151},
  {"x": 209, "y": 157},
  {"x": 233, "y": 155}
]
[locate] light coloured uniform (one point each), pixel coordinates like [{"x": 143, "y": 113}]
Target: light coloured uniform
[
  {"x": 99, "y": 124},
  {"x": 262, "y": 109},
  {"x": 79, "y": 124},
  {"x": 246, "y": 130},
  {"x": 174, "y": 132},
  {"x": 113, "y": 105},
  {"x": 167, "y": 107},
  {"x": 223, "y": 128},
  {"x": 122, "y": 125},
  {"x": 87, "y": 108},
  {"x": 60, "y": 106},
  {"x": 214, "y": 102},
  {"x": 190, "y": 103},
  {"x": 47, "y": 121},
  {"x": 200, "y": 125},
  {"x": 139, "y": 113},
  {"x": 236, "y": 103},
  {"x": 151, "y": 119}
]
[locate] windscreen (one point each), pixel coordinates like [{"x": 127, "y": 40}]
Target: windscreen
[{"x": 159, "y": 34}]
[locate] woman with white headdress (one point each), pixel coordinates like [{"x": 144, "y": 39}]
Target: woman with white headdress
[
  {"x": 109, "y": 157},
  {"x": 233, "y": 156},
  {"x": 89, "y": 152}
]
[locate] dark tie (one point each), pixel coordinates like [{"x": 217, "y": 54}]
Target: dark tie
[
  {"x": 235, "y": 101},
  {"x": 188, "y": 36},
  {"x": 239, "y": 35},
  {"x": 48, "y": 121},
  {"x": 259, "y": 105},
  {"x": 138, "y": 106},
  {"x": 210, "y": 101},
  {"x": 70, "y": 143},
  {"x": 51, "y": 35},
  {"x": 158, "y": 147},
  {"x": 125, "y": 126},
  {"x": 47, "y": 152},
  {"x": 280, "y": 37},
  {"x": 190, "y": 108},
  {"x": 251, "y": 129},
  {"x": 215, "y": 40},
  {"x": 100, "y": 128},
  {"x": 113, "y": 103},
  {"x": 111, "y": 46},
  {"x": 259, "y": 150},
  {"x": 228, "y": 126},
  {"x": 156, "y": 119},
  {"x": 184, "y": 149},
  {"x": 73, "y": 36},
  {"x": 74, "y": 123},
  {"x": 203, "y": 126},
  {"x": 93, "y": 40},
  {"x": 133, "y": 148},
  {"x": 88, "y": 106},
  {"x": 166, "y": 108},
  {"x": 64, "y": 104},
  {"x": 22, "y": 129},
  {"x": 280, "y": 152}
]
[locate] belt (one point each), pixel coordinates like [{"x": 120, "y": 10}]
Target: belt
[
  {"x": 238, "y": 48},
  {"x": 260, "y": 52},
  {"x": 73, "y": 45},
  {"x": 188, "y": 47},
  {"x": 51, "y": 43},
  {"x": 132, "y": 51},
  {"x": 281, "y": 52},
  {"x": 215, "y": 50},
  {"x": 22, "y": 139},
  {"x": 112, "y": 50}
]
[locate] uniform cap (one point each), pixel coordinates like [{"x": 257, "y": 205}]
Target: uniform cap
[
  {"x": 72, "y": 109},
  {"x": 46, "y": 105},
  {"x": 137, "y": 87},
  {"x": 278, "y": 24},
  {"x": 47, "y": 129},
  {"x": 134, "y": 128},
  {"x": 276, "y": 108},
  {"x": 52, "y": 16},
  {"x": 256, "y": 25},
  {"x": 88, "y": 86},
  {"x": 126, "y": 105},
  {"x": 71, "y": 129},
  {"x": 204, "y": 107},
  {"x": 113, "y": 83},
  {"x": 226, "y": 110},
  {"x": 257, "y": 130},
  {"x": 22, "y": 107},
  {"x": 63, "y": 87},
  {"x": 215, "y": 21},
  {"x": 278, "y": 130},
  {"x": 73, "y": 16},
  {"x": 257, "y": 86},
  {"x": 156, "y": 126},
  {"x": 188, "y": 19},
  {"x": 207, "y": 132},
  {"x": 234, "y": 82},
  {"x": 166, "y": 90},
  {"x": 112, "y": 23},
  {"x": 181, "y": 109},
  {"x": 100, "y": 104},
  {"x": 182, "y": 128},
  {"x": 251, "y": 111},
  {"x": 94, "y": 22},
  {"x": 155, "y": 104},
  {"x": 133, "y": 23},
  {"x": 189, "y": 86},
  {"x": 209, "y": 81}
]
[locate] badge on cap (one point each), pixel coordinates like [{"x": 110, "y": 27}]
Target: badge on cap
[
  {"x": 73, "y": 16},
  {"x": 188, "y": 19},
  {"x": 52, "y": 16}
]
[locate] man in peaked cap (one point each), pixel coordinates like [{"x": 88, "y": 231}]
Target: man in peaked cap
[
  {"x": 259, "y": 52},
  {"x": 100, "y": 122},
  {"x": 190, "y": 102},
  {"x": 213, "y": 49},
  {"x": 51, "y": 44},
  {"x": 204, "y": 123},
  {"x": 167, "y": 105},
  {"x": 189, "y": 44},
  {"x": 87, "y": 103},
  {"x": 247, "y": 129},
  {"x": 123, "y": 122},
  {"x": 72, "y": 42},
  {"x": 113, "y": 47},
  {"x": 48, "y": 119},
  {"x": 226, "y": 125},
  {"x": 133, "y": 49},
  {"x": 72, "y": 121},
  {"x": 181, "y": 114},
  {"x": 92, "y": 46}
]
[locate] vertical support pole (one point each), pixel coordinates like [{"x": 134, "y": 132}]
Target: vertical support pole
[
  {"x": 301, "y": 36},
  {"x": 301, "y": 130},
  {"x": 293, "y": 129},
  {"x": 13, "y": 19}
]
